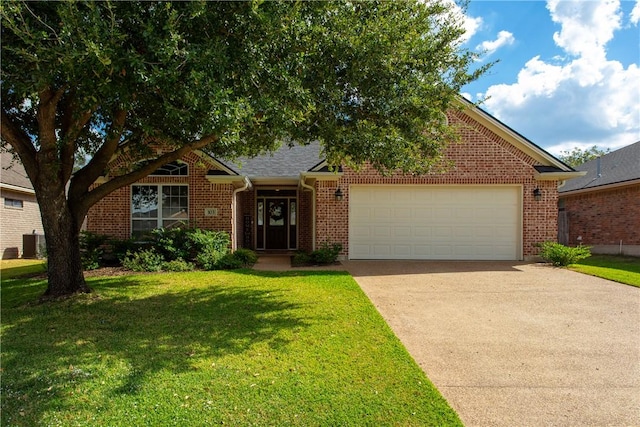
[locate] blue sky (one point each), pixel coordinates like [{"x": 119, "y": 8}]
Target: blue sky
[{"x": 568, "y": 73}]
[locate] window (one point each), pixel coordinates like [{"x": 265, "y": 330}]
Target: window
[
  {"x": 177, "y": 168},
  {"x": 13, "y": 203},
  {"x": 158, "y": 206}
]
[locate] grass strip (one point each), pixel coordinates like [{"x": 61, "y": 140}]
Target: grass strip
[{"x": 622, "y": 269}]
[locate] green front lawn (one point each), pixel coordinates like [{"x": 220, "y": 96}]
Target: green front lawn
[
  {"x": 617, "y": 268},
  {"x": 209, "y": 348},
  {"x": 10, "y": 268}
]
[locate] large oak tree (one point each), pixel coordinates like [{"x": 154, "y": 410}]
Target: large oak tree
[{"x": 91, "y": 80}]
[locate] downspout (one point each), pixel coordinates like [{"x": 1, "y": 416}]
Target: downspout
[
  {"x": 313, "y": 210},
  {"x": 234, "y": 208}
]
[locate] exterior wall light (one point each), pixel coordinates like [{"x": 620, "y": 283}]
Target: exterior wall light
[
  {"x": 537, "y": 195},
  {"x": 338, "y": 194}
]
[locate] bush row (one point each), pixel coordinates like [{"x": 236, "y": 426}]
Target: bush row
[
  {"x": 326, "y": 254},
  {"x": 176, "y": 249}
]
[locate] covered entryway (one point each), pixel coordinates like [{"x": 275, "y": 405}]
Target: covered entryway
[{"x": 435, "y": 222}]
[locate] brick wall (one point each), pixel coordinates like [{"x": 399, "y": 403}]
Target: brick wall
[
  {"x": 112, "y": 215},
  {"x": 604, "y": 217},
  {"x": 482, "y": 158},
  {"x": 18, "y": 221}
]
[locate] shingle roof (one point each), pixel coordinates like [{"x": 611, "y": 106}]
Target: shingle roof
[
  {"x": 616, "y": 167},
  {"x": 285, "y": 162},
  {"x": 13, "y": 172}
]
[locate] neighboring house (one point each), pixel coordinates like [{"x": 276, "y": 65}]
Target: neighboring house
[
  {"x": 602, "y": 208},
  {"x": 20, "y": 211},
  {"x": 496, "y": 203}
]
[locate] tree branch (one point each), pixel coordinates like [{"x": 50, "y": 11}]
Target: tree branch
[
  {"x": 72, "y": 125},
  {"x": 88, "y": 199},
  {"x": 46, "y": 117},
  {"x": 20, "y": 141},
  {"x": 86, "y": 176}
]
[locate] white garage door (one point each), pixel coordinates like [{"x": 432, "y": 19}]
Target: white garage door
[{"x": 435, "y": 222}]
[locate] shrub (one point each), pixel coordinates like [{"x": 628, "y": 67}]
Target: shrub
[
  {"x": 120, "y": 249},
  {"x": 144, "y": 260},
  {"x": 560, "y": 255},
  {"x": 326, "y": 254},
  {"x": 209, "y": 246},
  {"x": 92, "y": 247},
  {"x": 229, "y": 262},
  {"x": 300, "y": 259},
  {"x": 246, "y": 256},
  {"x": 178, "y": 265},
  {"x": 172, "y": 243},
  {"x": 241, "y": 258}
]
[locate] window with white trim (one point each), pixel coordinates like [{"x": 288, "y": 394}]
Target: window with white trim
[
  {"x": 158, "y": 206},
  {"x": 13, "y": 203}
]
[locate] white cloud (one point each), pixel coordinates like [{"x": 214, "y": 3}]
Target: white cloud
[
  {"x": 635, "y": 13},
  {"x": 581, "y": 100},
  {"x": 470, "y": 24},
  {"x": 505, "y": 38},
  {"x": 587, "y": 26}
]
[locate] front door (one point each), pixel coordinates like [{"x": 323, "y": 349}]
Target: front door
[
  {"x": 277, "y": 224},
  {"x": 277, "y": 218}
]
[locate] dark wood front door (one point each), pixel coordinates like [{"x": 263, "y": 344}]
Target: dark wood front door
[{"x": 277, "y": 224}]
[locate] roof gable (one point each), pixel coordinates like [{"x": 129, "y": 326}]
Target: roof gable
[
  {"x": 617, "y": 167},
  {"x": 13, "y": 172}
]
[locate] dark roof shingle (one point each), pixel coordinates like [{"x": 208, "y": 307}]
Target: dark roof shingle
[
  {"x": 284, "y": 162},
  {"x": 13, "y": 172},
  {"x": 615, "y": 167}
]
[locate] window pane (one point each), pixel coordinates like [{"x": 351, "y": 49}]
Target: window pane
[
  {"x": 175, "y": 203},
  {"x": 292, "y": 215},
  {"x": 172, "y": 169},
  {"x": 13, "y": 203},
  {"x": 142, "y": 227},
  {"x": 144, "y": 201},
  {"x": 171, "y": 223},
  {"x": 260, "y": 213}
]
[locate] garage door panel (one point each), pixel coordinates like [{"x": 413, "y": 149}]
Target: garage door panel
[
  {"x": 421, "y": 232},
  {"x": 402, "y": 233},
  {"x": 434, "y": 222}
]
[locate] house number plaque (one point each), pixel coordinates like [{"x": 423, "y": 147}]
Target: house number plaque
[{"x": 210, "y": 212}]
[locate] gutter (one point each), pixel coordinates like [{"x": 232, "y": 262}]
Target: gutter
[
  {"x": 303, "y": 184},
  {"x": 604, "y": 187},
  {"x": 234, "y": 208},
  {"x": 17, "y": 189}
]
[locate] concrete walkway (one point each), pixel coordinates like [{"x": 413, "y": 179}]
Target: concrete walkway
[{"x": 514, "y": 344}]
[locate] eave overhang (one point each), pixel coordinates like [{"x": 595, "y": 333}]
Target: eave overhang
[
  {"x": 312, "y": 177},
  {"x": 558, "y": 176},
  {"x": 17, "y": 189},
  {"x": 238, "y": 181}
]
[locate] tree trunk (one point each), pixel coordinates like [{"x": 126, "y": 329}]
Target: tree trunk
[{"x": 64, "y": 265}]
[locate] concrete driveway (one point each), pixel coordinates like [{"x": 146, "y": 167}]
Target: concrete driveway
[{"x": 515, "y": 344}]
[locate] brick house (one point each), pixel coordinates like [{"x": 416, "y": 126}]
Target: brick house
[
  {"x": 496, "y": 202},
  {"x": 20, "y": 210},
  {"x": 602, "y": 208}
]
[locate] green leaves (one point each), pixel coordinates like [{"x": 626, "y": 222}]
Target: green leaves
[{"x": 251, "y": 73}]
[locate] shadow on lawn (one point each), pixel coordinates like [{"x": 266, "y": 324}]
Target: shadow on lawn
[{"x": 52, "y": 349}]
